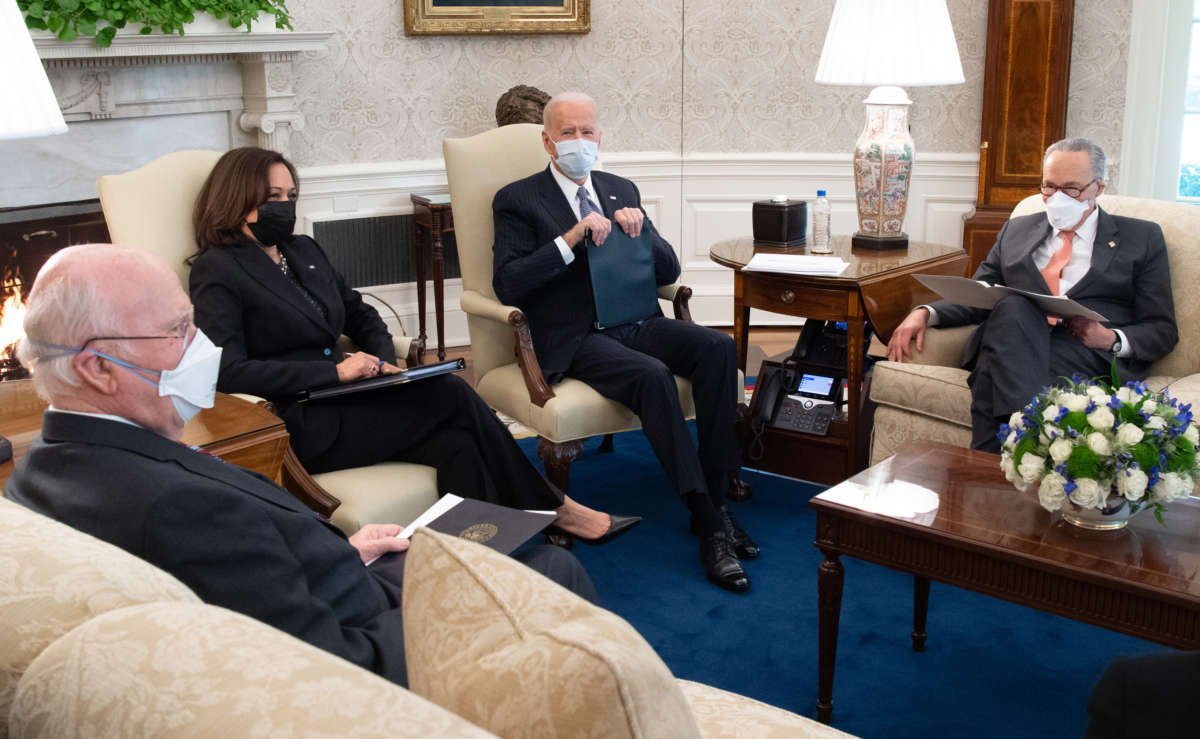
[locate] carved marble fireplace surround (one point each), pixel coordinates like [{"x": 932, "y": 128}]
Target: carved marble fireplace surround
[{"x": 146, "y": 96}]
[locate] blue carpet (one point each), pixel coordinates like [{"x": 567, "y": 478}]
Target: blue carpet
[{"x": 990, "y": 668}]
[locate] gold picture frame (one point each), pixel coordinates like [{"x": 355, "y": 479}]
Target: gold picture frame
[{"x": 442, "y": 18}]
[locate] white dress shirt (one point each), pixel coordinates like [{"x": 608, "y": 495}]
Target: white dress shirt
[{"x": 570, "y": 191}]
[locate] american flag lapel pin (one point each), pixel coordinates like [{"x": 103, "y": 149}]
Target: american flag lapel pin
[
  {"x": 313, "y": 266},
  {"x": 1112, "y": 244},
  {"x": 612, "y": 197}
]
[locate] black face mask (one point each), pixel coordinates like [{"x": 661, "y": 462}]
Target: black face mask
[{"x": 276, "y": 221}]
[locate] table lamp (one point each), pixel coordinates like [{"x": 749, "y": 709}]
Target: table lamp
[
  {"x": 27, "y": 103},
  {"x": 887, "y": 44}
]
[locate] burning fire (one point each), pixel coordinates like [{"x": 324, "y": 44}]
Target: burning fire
[{"x": 12, "y": 315}]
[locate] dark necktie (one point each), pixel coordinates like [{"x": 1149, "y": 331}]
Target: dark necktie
[{"x": 586, "y": 205}]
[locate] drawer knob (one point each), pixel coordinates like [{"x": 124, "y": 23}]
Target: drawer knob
[{"x": 787, "y": 296}]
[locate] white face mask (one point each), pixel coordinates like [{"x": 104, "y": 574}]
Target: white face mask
[
  {"x": 576, "y": 157},
  {"x": 192, "y": 385},
  {"x": 1065, "y": 212}
]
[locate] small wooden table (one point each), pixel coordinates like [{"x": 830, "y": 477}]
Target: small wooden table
[
  {"x": 877, "y": 286},
  {"x": 235, "y": 430},
  {"x": 432, "y": 220},
  {"x": 945, "y": 513}
]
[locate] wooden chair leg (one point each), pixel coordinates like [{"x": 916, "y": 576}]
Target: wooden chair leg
[
  {"x": 557, "y": 458},
  {"x": 606, "y": 446}
]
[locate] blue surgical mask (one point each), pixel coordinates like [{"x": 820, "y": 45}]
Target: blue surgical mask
[{"x": 576, "y": 157}]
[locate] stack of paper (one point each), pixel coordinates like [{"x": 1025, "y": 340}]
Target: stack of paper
[{"x": 797, "y": 264}]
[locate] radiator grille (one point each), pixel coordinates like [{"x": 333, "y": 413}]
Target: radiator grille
[{"x": 378, "y": 251}]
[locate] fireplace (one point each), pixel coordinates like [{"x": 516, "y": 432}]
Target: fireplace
[{"x": 28, "y": 236}]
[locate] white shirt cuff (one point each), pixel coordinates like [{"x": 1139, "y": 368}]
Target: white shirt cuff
[
  {"x": 1126, "y": 349},
  {"x": 567, "y": 255},
  {"x": 933, "y": 316}
]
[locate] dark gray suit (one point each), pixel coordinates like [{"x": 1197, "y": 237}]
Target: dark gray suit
[
  {"x": 633, "y": 364},
  {"x": 1015, "y": 353},
  {"x": 232, "y": 536}
]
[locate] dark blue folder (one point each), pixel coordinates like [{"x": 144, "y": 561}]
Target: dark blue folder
[{"x": 623, "y": 285}]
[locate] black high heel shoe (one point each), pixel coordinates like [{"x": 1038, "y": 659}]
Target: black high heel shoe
[{"x": 617, "y": 526}]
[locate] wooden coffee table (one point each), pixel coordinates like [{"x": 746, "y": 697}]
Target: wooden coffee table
[{"x": 947, "y": 514}]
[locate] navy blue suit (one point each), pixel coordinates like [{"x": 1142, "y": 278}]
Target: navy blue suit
[
  {"x": 233, "y": 536},
  {"x": 633, "y": 364}
]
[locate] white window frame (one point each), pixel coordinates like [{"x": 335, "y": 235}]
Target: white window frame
[{"x": 1155, "y": 84}]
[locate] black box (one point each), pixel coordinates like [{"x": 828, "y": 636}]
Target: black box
[{"x": 780, "y": 223}]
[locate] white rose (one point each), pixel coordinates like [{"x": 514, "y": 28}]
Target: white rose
[
  {"x": 1011, "y": 439},
  {"x": 1008, "y": 468},
  {"x": 1131, "y": 483},
  {"x": 1098, "y": 443},
  {"x": 1050, "y": 492},
  {"x": 1074, "y": 402},
  {"x": 1050, "y": 432},
  {"x": 1096, "y": 393},
  {"x": 1031, "y": 468},
  {"x": 1191, "y": 434},
  {"x": 1101, "y": 418},
  {"x": 1050, "y": 415},
  {"x": 1172, "y": 485},
  {"x": 1088, "y": 493},
  {"x": 1156, "y": 422},
  {"x": 1015, "y": 421},
  {"x": 1150, "y": 405},
  {"x": 1060, "y": 450},
  {"x": 1129, "y": 434},
  {"x": 1126, "y": 394}
]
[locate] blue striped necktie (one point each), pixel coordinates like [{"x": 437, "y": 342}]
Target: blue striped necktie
[{"x": 586, "y": 205}]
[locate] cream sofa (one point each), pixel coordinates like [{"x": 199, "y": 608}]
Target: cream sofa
[
  {"x": 96, "y": 642},
  {"x": 928, "y": 398}
]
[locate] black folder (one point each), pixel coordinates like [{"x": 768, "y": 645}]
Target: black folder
[
  {"x": 622, "y": 270},
  {"x": 502, "y": 529},
  {"x": 411, "y": 374}
]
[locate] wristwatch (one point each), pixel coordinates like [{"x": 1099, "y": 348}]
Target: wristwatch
[{"x": 1116, "y": 347}]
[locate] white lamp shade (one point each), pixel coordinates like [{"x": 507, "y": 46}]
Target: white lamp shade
[
  {"x": 890, "y": 42},
  {"x": 27, "y": 104}
]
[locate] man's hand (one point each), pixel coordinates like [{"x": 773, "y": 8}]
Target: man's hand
[
  {"x": 630, "y": 221},
  {"x": 358, "y": 366},
  {"x": 387, "y": 368},
  {"x": 1091, "y": 333},
  {"x": 912, "y": 327},
  {"x": 376, "y": 539},
  {"x": 599, "y": 225}
]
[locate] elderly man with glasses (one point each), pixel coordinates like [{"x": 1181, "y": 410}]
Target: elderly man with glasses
[{"x": 1113, "y": 265}]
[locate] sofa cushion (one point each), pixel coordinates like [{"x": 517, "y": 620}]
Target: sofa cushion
[
  {"x": 176, "y": 669},
  {"x": 930, "y": 390},
  {"x": 53, "y": 578},
  {"x": 724, "y": 714},
  {"x": 519, "y": 655}
]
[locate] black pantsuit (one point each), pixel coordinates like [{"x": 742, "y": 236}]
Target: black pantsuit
[
  {"x": 631, "y": 364},
  {"x": 276, "y": 343}
]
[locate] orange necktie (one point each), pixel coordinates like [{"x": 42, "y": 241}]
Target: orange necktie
[{"x": 1052, "y": 272}]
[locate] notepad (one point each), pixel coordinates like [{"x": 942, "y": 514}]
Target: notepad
[{"x": 797, "y": 264}]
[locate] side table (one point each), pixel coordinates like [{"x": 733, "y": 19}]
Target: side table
[
  {"x": 878, "y": 287},
  {"x": 432, "y": 219}
]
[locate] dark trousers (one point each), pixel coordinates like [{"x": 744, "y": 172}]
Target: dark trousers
[
  {"x": 440, "y": 422},
  {"x": 635, "y": 365},
  {"x": 1018, "y": 355}
]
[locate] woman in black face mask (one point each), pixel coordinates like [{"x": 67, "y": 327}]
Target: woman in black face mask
[{"x": 276, "y": 306}]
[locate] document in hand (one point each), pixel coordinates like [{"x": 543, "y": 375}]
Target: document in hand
[
  {"x": 797, "y": 264},
  {"x": 979, "y": 294},
  {"x": 502, "y": 529}
]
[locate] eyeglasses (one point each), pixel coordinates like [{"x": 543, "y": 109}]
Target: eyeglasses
[
  {"x": 181, "y": 331},
  {"x": 1071, "y": 192}
]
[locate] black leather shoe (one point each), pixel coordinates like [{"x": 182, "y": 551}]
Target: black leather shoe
[
  {"x": 742, "y": 543},
  {"x": 739, "y": 490},
  {"x": 720, "y": 564},
  {"x": 617, "y": 525},
  {"x": 556, "y": 537}
]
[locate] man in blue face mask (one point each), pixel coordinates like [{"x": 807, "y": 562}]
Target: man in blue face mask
[
  {"x": 111, "y": 345},
  {"x": 1116, "y": 266},
  {"x": 540, "y": 266}
]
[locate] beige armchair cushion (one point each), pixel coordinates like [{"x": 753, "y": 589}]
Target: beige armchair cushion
[
  {"x": 173, "y": 669},
  {"x": 724, "y": 714},
  {"x": 53, "y": 578},
  {"x": 385, "y": 492},
  {"x": 517, "y": 654}
]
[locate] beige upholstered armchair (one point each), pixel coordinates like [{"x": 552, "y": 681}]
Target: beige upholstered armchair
[
  {"x": 928, "y": 397},
  {"x": 507, "y": 374},
  {"x": 151, "y": 208}
]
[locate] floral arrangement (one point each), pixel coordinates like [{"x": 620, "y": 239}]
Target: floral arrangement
[{"x": 1087, "y": 441}]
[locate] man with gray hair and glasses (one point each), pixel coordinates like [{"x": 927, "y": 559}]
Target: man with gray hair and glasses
[{"x": 1113, "y": 265}]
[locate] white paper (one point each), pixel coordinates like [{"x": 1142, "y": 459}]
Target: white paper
[
  {"x": 979, "y": 294},
  {"x": 797, "y": 264},
  {"x": 443, "y": 504}
]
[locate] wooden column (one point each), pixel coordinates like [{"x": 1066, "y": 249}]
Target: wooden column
[{"x": 1024, "y": 109}]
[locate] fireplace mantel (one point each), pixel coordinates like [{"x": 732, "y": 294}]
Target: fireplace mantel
[{"x": 165, "y": 49}]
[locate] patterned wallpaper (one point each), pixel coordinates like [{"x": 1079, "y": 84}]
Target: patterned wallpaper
[{"x": 669, "y": 75}]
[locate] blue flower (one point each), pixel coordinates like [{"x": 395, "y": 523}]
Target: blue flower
[
  {"x": 1002, "y": 434},
  {"x": 1062, "y": 413},
  {"x": 1114, "y": 403},
  {"x": 1091, "y": 406}
]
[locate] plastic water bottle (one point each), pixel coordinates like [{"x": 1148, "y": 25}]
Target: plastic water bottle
[{"x": 820, "y": 225}]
